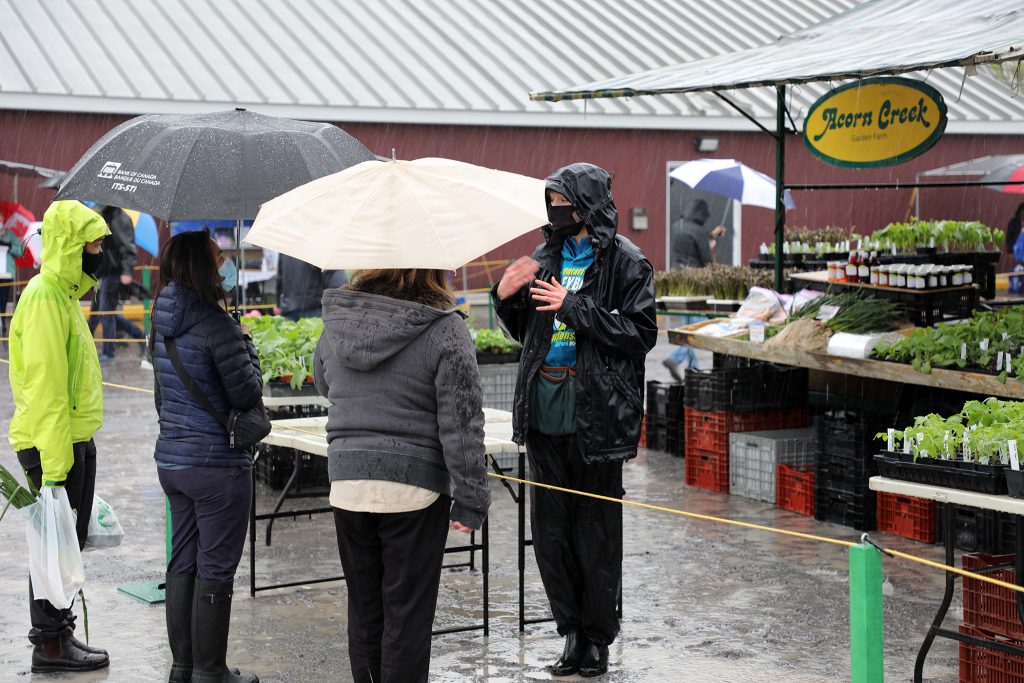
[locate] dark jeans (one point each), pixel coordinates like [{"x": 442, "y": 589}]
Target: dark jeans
[
  {"x": 107, "y": 299},
  {"x": 577, "y": 540},
  {"x": 48, "y": 622},
  {"x": 209, "y": 519},
  {"x": 306, "y": 313},
  {"x": 392, "y": 566}
]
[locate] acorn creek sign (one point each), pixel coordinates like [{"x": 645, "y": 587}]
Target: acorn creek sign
[{"x": 875, "y": 122}]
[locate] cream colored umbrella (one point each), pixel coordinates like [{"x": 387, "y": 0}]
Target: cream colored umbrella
[{"x": 427, "y": 213}]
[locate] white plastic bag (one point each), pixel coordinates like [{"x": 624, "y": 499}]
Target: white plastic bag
[
  {"x": 54, "y": 559},
  {"x": 104, "y": 529}
]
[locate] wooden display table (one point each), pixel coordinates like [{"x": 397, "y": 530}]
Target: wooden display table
[{"x": 957, "y": 380}]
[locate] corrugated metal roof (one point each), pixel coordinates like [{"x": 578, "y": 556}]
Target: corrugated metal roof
[{"x": 413, "y": 61}]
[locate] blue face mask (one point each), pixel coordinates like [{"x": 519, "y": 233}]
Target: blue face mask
[{"x": 229, "y": 272}]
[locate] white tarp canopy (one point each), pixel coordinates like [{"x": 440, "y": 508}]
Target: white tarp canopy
[
  {"x": 979, "y": 166},
  {"x": 876, "y": 38}
]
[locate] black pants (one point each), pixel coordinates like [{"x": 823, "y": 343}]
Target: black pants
[
  {"x": 209, "y": 519},
  {"x": 577, "y": 540},
  {"x": 48, "y": 622},
  {"x": 107, "y": 299},
  {"x": 392, "y": 566}
]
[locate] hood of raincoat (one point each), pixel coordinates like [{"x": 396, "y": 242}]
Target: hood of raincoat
[
  {"x": 365, "y": 329},
  {"x": 589, "y": 189},
  {"x": 67, "y": 227},
  {"x": 695, "y": 211}
]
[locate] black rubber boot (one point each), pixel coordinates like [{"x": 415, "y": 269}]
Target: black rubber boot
[
  {"x": 569, "y": 662},
  {"x": 60, "y": 656},
  {"x": 211, "y": 621},
  {"x": 69, "y": 619},
  {"x": 594, "y": 661},
  {"x": 180, "y": 593}
]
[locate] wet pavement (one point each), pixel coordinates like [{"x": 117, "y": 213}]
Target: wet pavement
[{"x": 702, "y": 601}]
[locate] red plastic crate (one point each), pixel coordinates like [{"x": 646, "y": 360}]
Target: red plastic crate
[
  {"x": 643, "y": 432},
  {"x": 707, "y": 470},
  {"x": 906, "y": 516},
  {"x": 982, "y": 665},
  {"x": 991, "y": 607},
  {"x": 794, "y": 489},
  {"x": 710, "y": 431}
]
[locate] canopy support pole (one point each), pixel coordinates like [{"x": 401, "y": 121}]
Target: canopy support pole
[
  {"x": 780, "y": 181},
  {"x": 745, "y": 114}
]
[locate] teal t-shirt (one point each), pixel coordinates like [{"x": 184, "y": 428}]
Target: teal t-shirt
[{"x": 576, "y": 258}]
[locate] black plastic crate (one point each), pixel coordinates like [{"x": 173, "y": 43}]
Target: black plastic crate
[
  {"x": 978, "y": 531},
  {"x": 839, "y": 507},
  {"x": 746, "y": 389},
  {"x": 843, "y": 437},
  {"x": 675, "y": 434},
  {"x": 275, "y": 465},
  {"x": 850, "y": 480},
  {"x": 664, "y": 398},
  {"x": 954, "y": 475},
  {"x": 277, "y": 387}
]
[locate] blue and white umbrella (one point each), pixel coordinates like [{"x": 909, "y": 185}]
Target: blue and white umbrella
[{"x": 732, "y": 179}]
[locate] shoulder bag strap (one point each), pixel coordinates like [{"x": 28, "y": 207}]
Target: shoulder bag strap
[{"x": 193, "y": 389}]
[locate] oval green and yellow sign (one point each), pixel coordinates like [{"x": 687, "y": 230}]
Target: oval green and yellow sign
[{"x": 875, "y": 122}]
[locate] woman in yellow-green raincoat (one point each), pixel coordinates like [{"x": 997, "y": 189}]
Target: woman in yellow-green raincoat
[{"x": 58, "y": 402}]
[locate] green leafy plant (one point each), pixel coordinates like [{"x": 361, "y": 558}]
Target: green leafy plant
[
  {"x": 980, "y": 432},
  {"x": 285, "y": 348},
  {"x": 949, "y": 236},
  {"x": 858, "y": 313},
  {"x": 974, "y": 343},
  {"x": 492, "y": 341},
  {"x": 13, "y": 494}
]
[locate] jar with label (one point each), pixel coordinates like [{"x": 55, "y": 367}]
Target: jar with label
[
  {"x": 863, "y": 268},
  {"x": 933, "y": 277},
  {"x": 883, "y": 276},
  {"x": 873, "y": 275},
  {"x": 901, "y": 276},
  {"x": 919, "y": 277},
  {"x": 968, "y": 275},
  {"x": 943, "y": 276},
  {"x": 958, "y": 276}
]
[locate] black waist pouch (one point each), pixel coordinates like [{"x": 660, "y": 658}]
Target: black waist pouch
[{"x": 553, "y": 401}]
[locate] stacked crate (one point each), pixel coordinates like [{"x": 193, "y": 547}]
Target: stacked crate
[
  {"x": 976, "y": 530},
  {"x": 736, "y": 397},
  {"x": 795, "y": 489},
  {"x": 754, "y": 458},
  {"x": 845, "y": 463},
  {"x": 990, "y": 613},
  {"x": 664, "y": 417},
  {"x": 906, "y": 516}
]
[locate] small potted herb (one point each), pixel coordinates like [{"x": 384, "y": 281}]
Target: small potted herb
[{"x": 492, "y": 346}]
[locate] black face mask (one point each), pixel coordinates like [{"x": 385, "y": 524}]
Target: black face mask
[
  {"x": 563, "y": 224},
  {"x": 91, "y": 263}
]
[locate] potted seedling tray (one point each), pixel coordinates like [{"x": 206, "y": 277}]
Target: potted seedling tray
[{"x": 954, "y": 474}]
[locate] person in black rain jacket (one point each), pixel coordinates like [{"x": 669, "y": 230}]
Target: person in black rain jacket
[{"x": 583, "y": 309}]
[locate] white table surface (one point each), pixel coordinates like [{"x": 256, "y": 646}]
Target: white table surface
[
  {"x": 309, "y": 434},
  {"x": 985, "y": 501}
]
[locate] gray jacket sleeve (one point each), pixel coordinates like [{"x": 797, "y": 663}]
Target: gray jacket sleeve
[{"x": 460, "y": 420}]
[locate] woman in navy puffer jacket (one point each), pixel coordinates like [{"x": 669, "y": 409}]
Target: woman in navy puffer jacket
[{"x": 208, "y": 483}]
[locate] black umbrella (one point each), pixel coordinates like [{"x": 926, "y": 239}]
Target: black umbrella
[{"x": 207, "y": 166}]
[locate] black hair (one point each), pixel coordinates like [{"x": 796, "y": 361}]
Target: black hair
[{"x": 187, "y": 260}]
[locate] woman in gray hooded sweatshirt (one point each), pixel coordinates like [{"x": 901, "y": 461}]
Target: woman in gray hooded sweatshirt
[{"x": 406, "y": 456}]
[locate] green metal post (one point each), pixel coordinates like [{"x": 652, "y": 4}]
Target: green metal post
[
  {"x": 146, "y": 303},
  {"x": 866, "y": 656},
  {"x": 167, "y": 530},
  {"x": 780, "y": 181}
]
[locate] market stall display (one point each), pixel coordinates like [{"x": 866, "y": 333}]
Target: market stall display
[
  {"x": 717, "y": 281},
  {"x": 285, "y": 348},
  {"x": 989, "y": 342}
]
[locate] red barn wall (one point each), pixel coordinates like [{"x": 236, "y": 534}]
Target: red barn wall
[{"x": 637, "y": 158}]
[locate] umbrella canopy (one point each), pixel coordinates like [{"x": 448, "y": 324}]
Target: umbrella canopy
[
  {"x": 732, "y": 179},
  {"x": 208, "y": 166},
  {"x": 427, "y": 213},
  {"x": 146, "y": 233},
  {"x": 1011, "y": 170},
  {"x": 196, "y": 225}
]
